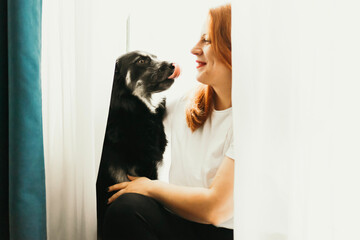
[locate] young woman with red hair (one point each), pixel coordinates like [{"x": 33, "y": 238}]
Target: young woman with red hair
[{"x": 197, "y": 203}]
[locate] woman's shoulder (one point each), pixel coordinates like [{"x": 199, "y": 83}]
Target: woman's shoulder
[
  {"x": 174, "y": 102},
  {"x": 175, "y": 108}
]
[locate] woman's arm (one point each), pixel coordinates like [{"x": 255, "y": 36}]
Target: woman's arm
[{"x": 212, "y": 205}]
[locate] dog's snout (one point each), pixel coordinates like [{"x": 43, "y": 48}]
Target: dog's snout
[
  {"x": 163, "y": 68},
  {"x": 166, "y": 66}
]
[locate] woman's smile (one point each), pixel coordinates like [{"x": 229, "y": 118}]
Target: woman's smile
[{"x": 200, "y": 64}]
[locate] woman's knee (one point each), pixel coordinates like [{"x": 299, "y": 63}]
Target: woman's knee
[
  {"x": 124, "y": 216},
  {"x": 124, "y": 208}
]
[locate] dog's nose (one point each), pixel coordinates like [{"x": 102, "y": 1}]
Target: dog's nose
[{"x": 166, "y": 66}]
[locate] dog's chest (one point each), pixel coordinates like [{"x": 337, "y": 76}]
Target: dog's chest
[{"x": 152, "y": 103}]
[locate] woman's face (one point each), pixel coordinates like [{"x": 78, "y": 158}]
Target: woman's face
[{"x": 210, "y": 69}]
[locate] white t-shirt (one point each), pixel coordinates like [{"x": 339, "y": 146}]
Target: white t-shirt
[{"x": 196, "y": 157}]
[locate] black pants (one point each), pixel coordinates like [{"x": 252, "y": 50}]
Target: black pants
[{"x": 138, "y": 217}]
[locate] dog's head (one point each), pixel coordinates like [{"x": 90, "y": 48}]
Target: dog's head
[{"x": 143, "y": 74}]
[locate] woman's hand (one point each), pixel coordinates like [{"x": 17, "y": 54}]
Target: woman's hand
[{"x": 139, "y": 185}]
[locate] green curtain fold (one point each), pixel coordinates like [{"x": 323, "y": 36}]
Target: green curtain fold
[{"x": 23, "y": 198}]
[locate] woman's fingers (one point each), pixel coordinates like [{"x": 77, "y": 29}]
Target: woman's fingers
[
  {"x": 118, "y": 186},
  {"x": 131, "y": 178},
  {"x": 115, "y": 196},
  {"x": 122, "y": 185}
]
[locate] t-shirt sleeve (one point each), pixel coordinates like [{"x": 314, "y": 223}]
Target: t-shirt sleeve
[{"x": 230, "y": 152}]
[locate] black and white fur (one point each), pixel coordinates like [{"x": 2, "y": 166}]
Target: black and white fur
[{"x": 134, "y": 139}]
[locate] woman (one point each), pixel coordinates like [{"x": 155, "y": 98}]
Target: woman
[{"x": 198, "y": 201}]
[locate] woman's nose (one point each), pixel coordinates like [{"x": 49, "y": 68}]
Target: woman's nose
[{"x": 196, "y": 50}]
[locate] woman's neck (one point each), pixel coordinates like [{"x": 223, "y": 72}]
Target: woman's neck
[{"x": 222, "y": 98}]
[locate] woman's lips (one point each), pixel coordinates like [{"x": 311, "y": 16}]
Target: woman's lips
[{"x": 200, "y": 64}]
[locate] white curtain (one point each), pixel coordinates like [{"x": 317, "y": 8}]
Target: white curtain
[
  {"x": 77, "y": 72},
  {"x": 296, "y": 113}
]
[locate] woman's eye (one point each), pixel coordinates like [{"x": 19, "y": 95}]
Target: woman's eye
[{"x": 206, "y": 40}]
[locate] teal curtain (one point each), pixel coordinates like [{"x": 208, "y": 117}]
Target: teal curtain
[{"x": 22, "y": 176}]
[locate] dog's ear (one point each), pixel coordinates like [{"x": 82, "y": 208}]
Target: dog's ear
[
  {"x": 120, "y": 72},
  {"x": 117, "y": 70},
  {"x": 118, "y": 83}
]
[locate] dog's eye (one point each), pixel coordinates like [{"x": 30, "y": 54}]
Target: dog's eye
[{"x": 141, "y": 61}]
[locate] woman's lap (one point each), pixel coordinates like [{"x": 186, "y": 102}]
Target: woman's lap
[{"x": 135, "y": 216}]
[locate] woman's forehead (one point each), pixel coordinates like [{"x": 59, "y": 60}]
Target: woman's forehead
[{"x": 205, "y": 26}]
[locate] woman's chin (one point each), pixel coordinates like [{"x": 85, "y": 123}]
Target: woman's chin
[{"x": 200, "y": 78}]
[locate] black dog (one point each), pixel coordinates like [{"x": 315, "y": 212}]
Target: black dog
[{"x": 134, "y": 139}]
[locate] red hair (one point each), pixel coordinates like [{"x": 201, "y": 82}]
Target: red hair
[{"x": 219, "y": 30}]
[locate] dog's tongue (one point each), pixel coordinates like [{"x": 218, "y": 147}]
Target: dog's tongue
[{"x": 176, "y": 72}]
